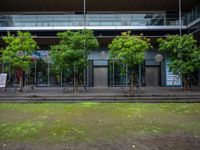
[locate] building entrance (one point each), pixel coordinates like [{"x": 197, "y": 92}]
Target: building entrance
[
  {"x": 152, "y": 76},
  {"x": 100, "y": 76}
]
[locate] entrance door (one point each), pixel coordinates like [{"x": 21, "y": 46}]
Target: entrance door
[
  {"x": 100, "y": 76},
  {"x": 152, "y": 76}
]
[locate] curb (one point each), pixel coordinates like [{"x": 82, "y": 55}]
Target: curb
[{"x": 103, "y": 99}]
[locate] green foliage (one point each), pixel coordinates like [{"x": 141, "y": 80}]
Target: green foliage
[
  {"x": 73, "y": 49},
  {"x": 18, "y": 50},
  {"x": 183, "y": 53},
  {"x": 129, "y": 49}
]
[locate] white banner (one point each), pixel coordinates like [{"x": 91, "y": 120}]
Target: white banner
[
  {"x": 171, "y": 79},
  {"x": 3, "y": 78}
]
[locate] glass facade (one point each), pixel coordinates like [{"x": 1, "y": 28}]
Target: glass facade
[
  {"x": 41, "y": 73},
  {"x": 192, "y": 15},
  {"x": 119, "y": 74}
]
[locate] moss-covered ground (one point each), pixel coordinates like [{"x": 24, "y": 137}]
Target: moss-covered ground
[{"x": 91, "y": 122}]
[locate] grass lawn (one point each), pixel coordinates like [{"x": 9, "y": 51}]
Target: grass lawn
[{"x": 91, "y": 125}]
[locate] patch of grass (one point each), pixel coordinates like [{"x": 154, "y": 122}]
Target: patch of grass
[
  {"x": 90, "y": 122},
  {"x": 20, "y": 130}
]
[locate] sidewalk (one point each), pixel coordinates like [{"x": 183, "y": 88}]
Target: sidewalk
[
  {"x": 107, "y": 94},
  {"x": 59, "y": 91}
]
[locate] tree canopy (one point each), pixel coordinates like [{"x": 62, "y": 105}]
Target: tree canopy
[
  {"x": 183, "y": 53},
  {"x": 130, "y": 50},
  {"x": 18, "y": 50},
  {"x": 18, "y": 53},
  {"x": 72, "y": 51}
]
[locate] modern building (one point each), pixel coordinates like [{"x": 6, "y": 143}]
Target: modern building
[{"x": 108, "y": 18}]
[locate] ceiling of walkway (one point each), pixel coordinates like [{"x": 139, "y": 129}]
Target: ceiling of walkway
[{"x": 93, "y": 5}]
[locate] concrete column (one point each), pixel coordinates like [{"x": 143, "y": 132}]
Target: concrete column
[
  {"x": 84, "y": 11},
  {"x": 180, "y": 17}
]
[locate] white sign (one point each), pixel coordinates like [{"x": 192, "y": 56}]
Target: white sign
[
  {"x": 172, "y": 79},
  {"x": 3, "y": 77}
]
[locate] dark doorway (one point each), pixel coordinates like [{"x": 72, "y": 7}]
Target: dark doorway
[
  {"x": 100, "y": 76},
  {"x": 152, "y": 76}
]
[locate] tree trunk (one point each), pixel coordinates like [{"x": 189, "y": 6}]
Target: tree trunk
[
  {"x": 75, "y": 89},
  {"x": 20, "y": 83},
  {"x": 132, "y": 81},
  {"x": 187, "y": 84},
  {"x": 76, "y": 84},
  {"x": 19, "y": 75},
  {"x": 82, "y": 83}
]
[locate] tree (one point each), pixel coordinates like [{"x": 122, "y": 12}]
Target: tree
[
  {"x": 18, "y": 53},
  {"x": 183, "y": 53},
  {"x": 72, "y": 52},
  {"x": 129, "y": 50}
]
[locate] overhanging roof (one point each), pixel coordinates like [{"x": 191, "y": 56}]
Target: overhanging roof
[{"x": 93, "y": 5}]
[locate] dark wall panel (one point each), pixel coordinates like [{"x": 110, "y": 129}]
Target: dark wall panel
[{"x": 93, "y": 5}]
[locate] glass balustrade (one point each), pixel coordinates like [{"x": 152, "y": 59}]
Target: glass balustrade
[{"x": 91, "y": 20}]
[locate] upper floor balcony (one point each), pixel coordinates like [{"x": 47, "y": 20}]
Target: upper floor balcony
[{"x": 156, "y": 21}]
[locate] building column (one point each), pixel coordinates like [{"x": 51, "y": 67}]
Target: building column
[
  {"x": 180, "y": 17},
  {"x": 84, "y": 12}
]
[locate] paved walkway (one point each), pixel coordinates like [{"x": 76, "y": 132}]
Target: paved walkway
[
  {"x": 58, "y": 91},
  {"x": 107, "y": 94}
]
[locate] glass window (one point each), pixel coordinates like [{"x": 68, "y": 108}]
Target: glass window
[{"x": 117, "y": 73}]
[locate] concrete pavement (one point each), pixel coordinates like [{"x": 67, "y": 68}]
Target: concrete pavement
[{"x": 106, "y": 94}]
